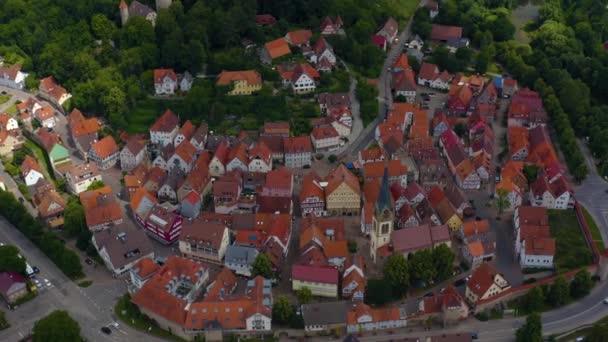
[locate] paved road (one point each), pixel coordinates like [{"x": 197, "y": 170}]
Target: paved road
[
  {"x": 92, "y": 307},
  {"x": 384, "y": 92},
  {"x": 592, "y": 192}
]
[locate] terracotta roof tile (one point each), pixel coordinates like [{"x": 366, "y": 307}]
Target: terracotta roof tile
[
  {"x": 166, "y": 123},
  {"x": 252, "y": 77},
  {"x": 277, "y": 48},
  {"x": 105, "y": 147},
  {"x": 341, "y": 175},
  {"x": 299, "y": 37},
  {"x": 160, "y": 74}
]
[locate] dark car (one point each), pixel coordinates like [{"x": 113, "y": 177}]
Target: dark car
[
  {"x": 430, "y": 294},
  {"x": 459, "y": 282},
  {"x": 3, "y": 92},
  {"x": 106, "y": 330},
  {"x": 88, "y": 261},
  {"x": 36, "y": 269}
]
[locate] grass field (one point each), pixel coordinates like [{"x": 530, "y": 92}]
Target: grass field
[
  {"x": 141, "y": 118},
  {"x": 41, "y": 157},
  {"x": 4, "y": 98},
  {"x": 12, "y": 110},
  {"x": 572, "y": 251},
  {"x": 595, "y": 231}
]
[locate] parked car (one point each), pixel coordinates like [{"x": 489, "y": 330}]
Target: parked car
[
  {"x": 47, "y": 283},
  {"x": 606, "y": 300},
  {"x": 88, "y": 261},
  {"x": 106, "y": 330},
  {"x": 460, "y": 282},
  {"x": 430, "y": 294},
  {"x": 36, "y": 269},
  {"x": 37, "y": 283}
]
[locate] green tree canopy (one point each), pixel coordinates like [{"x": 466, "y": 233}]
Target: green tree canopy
[
  {"x": 262, "y": 266},
  {"x": 443, "y": 261},
  {"x": 532, "y": 331},
  {"x": 558, "y": 292},
  {"x": 282, "y": 310},
  {"x": 422, "y": 266},
  {"x": 396, "y": 272},
  {"x": 378, "y": 292},
  {"x": 581, "y": 284},
  {"x": 10, "y": 260},
  {"x": 57, "y": 327},
  {"x": 304, "y": 295}
]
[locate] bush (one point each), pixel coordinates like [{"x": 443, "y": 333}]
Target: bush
[
  {"x": 332, "y": 158},
  {"x": 319, "y": 156},
  {"x": 352, "y": 247}
]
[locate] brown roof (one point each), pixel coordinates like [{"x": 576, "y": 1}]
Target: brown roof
[
  {"x": 145, "y": 268},
  {"x": 84, "y": 171},
  {"x": 276, "y": 127},
  {"x": 517, "y": 138},
  {"x": 105, "y": 147},
  {"x": 154, "y": 295},
  {"x": 124, "y": 244},
  {"x": 299, "y": 144},
  {"x": 260, "y": 150},
  {"x": 252, "y": 77},
  {"x": 49, "y": 84},
  {"x": 203, "y": 233},
  {"x": 311, "y": 187},
  {"x": 533, "y": 216},
  {"x": 29, "y": 164},
  {"x": 299, "y": 37},
  {"x": 85, "y": 127},
  {"x": 324, "y": 132},
  {"x": 470, "y": 228},
  {"x": 135, "y": 145},
  {"x": 100, "y": 206},
  {"x": 377, "y": 314},
  {"x": 376, "y": 169},
  {"x": 482, "y": 279},
  {"x": 238, "y": 152},
  {"x": 411, "y": 239},
  {"x": 444, "y": 32},
  {"x": 48, "y": 199},
  {"x": 445, "y": 210},
  {"x": 277, "y": 48},
  {"x": 540, "y": 246},
  {"x": 341, "y": 175},
  {"x": 160, "y": 74},
  {"x": 166, "y": 123}
]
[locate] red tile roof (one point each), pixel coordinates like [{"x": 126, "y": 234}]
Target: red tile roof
[
  {"x": 301, "y": 144},
  {"x": 316, "y": 274},
  {"x": 145, "y": 268},
  {"x": 100, "y": 206},
  {"x": 160, "y": 74},
  {"x": 435, "y": 196},
  {"x": 277, "y": 48},
  {"x": 444, "y": 32},
  {"x": 252, "y": 77},
  {"x": 341, "y": 175},
  {"x": 29, "y": 164},
  {"x": 166, "y": 123},
  {"x": 299, "y": 37},
  {"x": 482, "y": 279},
  {"x": 105, "y": 147}
]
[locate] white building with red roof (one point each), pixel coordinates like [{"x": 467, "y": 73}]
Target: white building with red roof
[
  {"x": 297, "y": 151},
  {"x": 12, "y": 77},
  {"x": 485, "y": 283},
  {"x": 50, "y": 90},
  {"x": 362, "y": 317},
  {"x": 164, "y": 130},
  {"x": 325, "y": 138},
  {"x": 431, "y": 77},
  {"x": 312, "y": 195},
  {"x": 165, "y": 81},
  {"x": 260, "y": 158},
  {"x": 301, "y": 78},
  {"x": 321, "y": 280}
]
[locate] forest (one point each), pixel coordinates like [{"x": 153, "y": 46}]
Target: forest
[
  {"x": 567, "y": 63},
  {"x": 109, "y": 68}
]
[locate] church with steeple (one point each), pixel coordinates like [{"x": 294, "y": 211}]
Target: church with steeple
[
  {"x": 383, "y": 221},
  {"x": 137, "y": 9}
]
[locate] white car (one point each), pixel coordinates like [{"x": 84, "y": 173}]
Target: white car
[
  {"x": 47, "y": 283},
  {"x": 37, "y": 283},
  {"x": 606, "y": 300},
  {"x": 114, "y": 325}
]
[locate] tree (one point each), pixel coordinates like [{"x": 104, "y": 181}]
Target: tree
[
  {"x": 74, "y": 218},
  {"x": 533, "y": 300},
  {"x": 460, "y": 129},
  {"x": 352, "y": 246},
  {"x": 58, "y": 326},
  {"x": 501, "y": 201},
  {"x": 3, "y": 322},
  {"x": 558, "y": 292},
  {"x": 262, "y": 266},
  {"x": 482, "y": 61},
  {"x": 96, "y": 185},
  {"x": 598, "y": 333},
  {"x": 378, "y": 292},
  {"x": 304, "y": 295},
  {"x": 421, "y": 266},
  {"x": 332, "y": 158},
  {"x": 581, "y": 285},
  {"x": 396, "y": 272},
  {"x": 443, "y": 260},
  {"x": 103, "y": 28},
  {"x": 532, "y": 331},
  {"x": 282, "y": 310},
  {"x": 531, "y": 173},
  {"x": 10, "y": 260}
]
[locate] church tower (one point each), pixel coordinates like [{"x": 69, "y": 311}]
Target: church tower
[
  {"x": 384, "y": 218},
  {"x": 162, "y": 4},
  {"x": 124, "y": 12}
]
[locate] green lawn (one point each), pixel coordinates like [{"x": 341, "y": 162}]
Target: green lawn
[
  {"x": 595, "y": 231},
  {"x": 572, "y": 251},
  {"x": 41, "y": 157},
  {"x": 4, "y": 98},
  {"x": 12, "y": 110},
  {"x": 581, "y": 332},
  {"x": 141, "y": 118}
]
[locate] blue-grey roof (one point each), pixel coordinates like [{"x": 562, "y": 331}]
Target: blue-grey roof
[
  {"x": 385, "y": 201},
  {"x": 241, "y": 255},
  {"x": 498, "y": 82}
]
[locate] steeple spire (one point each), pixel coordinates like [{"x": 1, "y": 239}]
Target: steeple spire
[{"x": 385, "y": 200}]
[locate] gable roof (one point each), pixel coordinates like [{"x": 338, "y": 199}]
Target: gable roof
[
  {"x": 252, "y": 77},
  {"x": 160, "y": 74},
  {"x": 301, "y": 144},
  {"x": 29, "y": 164},
  {"x": 341, "y": 175},
  {"x": 299, "y": 37},
  {"x": 482, "y": 279},
  {"x": 445, "y": 32},
  {"x": 277, "y": 48},
  {"x": 311, "y": 187},
  {"x": 201, "y": 232},
  {"x": 100, "y": 206},
  {"x": 166, "y": 122},
  {"x": 105, "y": 147},
  {"x": 317, "y": 274}
]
